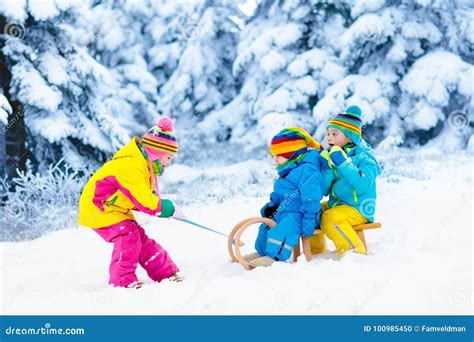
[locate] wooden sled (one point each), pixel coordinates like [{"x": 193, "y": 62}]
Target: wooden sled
[{"x": 236, "y": 234}]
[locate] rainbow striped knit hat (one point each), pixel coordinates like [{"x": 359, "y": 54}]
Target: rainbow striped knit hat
[
  {"x": 349, "y": 122},
  {"x": 291, "y": 142},
  {"x": 160, "y": 140}
]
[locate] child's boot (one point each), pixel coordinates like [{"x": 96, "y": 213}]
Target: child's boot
[
  {"x": 135, "y": 285},
  {"x": 175, "y": 278},
  {"x": 251, "y": 256},
  {"x": 262, "y": 262}
]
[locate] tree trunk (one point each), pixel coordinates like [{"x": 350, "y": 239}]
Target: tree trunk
[{"x": 14, "y": 132}]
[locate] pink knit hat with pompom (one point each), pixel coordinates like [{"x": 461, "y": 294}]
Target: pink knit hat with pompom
[{"x": 160, "y": 140}]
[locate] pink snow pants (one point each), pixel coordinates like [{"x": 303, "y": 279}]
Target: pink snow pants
[{"x": 133, "y": 246}]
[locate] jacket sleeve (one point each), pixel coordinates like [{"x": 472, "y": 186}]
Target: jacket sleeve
[
  {"x": 132, "y": 183},
  {"x": 328, "y": 178},
  {"x": 360, "y": 177},
  {"x": 274, "y": 199},
  {"x": 274, "y": 202},
  {"x": 311, "y": 190}
]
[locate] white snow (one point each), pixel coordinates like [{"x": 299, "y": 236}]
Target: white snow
[
  {"x": 53, "y": 66},
  {"x": 113, "y": 36},
  {"x": 61, "y": 129},
  {"x": 248, "y": 7},
  {"x": 420, "y": 262},
  {"x": 361, "y": 6},
  {"x": 280, "y": 36},
  {"x": 34, "y": 89},
  {"x": 272, "y": 62},
  {"x": 397, "y": 52},
  {"x": 14, "y": 9},
  {"x": 286, "y": 35},
  {"x": 436, "y": 75},
  {"x": 43, "y": 9},
  {"x": 424, "y": 116},
  {"x": 415, "y": 29}
]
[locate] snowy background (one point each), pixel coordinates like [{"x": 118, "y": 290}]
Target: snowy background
[{"x": 80, "y": 78}]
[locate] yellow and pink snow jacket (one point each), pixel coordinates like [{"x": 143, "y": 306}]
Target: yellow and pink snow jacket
[{"x": 121, "y": 185}]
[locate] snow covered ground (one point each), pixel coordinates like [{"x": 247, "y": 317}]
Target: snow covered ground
[{"x": 420, "y": 262}]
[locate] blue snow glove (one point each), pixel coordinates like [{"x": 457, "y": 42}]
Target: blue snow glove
[
  {"x": 269, "y": 210},
  {"x": 325, "y": 160},
  {"x": 337, "y": 155}
]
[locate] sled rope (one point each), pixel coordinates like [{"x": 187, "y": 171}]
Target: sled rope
[{"x": 206, "y": 228}]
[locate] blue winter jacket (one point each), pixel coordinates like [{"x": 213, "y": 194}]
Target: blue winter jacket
[
  {"x": 353, "y": 182},
  {"x": 299, "y": 190}
]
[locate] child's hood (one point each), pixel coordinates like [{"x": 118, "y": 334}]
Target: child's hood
[
  {"x": 312, "y": 157},
  {"x": 364, "y": 148},
  {"x": 130, "y": 150}
]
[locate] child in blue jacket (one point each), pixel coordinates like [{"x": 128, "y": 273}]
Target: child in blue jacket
[
  {"x": 350, "y": 169},
  {"x": 295, "y": 202}
]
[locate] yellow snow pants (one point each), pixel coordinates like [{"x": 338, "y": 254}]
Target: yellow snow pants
[{"x": 336, "y": 224}]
